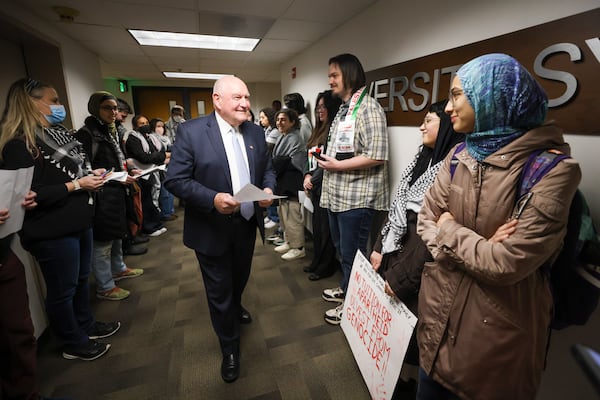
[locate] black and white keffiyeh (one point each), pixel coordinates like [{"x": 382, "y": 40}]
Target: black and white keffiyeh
[
  {"x": 62, "y": 150},
  {"x": 395, "y": 229}
]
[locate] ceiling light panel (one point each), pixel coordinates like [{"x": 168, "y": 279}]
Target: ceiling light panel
[
  {"x": 192, "y": 75},
  {"x": 193, "y": 41}
]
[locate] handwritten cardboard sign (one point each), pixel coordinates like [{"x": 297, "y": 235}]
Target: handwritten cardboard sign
[{"x": 377, "y": 327}]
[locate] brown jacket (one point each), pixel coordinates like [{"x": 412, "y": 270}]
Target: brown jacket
[{"x": 484, "y": 309}]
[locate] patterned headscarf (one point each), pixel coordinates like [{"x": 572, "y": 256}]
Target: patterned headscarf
[{"x": 507, "y": 101}]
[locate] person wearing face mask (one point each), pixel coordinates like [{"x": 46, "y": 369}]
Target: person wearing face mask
[
  {"x": 146, "y": 150},
  {"x": 166, "y": 198},
  {"x": 58, "y": 231},
  {"x": 485, "y": 302},
  {"x": 177, "y": 117},
  {"x": 100, "y": 140}
]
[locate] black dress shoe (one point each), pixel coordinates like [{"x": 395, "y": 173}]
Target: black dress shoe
[
  {"x": 245, "y": 317},
  {"x": 135, "y": 250},
  {"x": 230, "y": 367}
]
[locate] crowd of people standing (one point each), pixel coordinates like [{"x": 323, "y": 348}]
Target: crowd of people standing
[{"x": 448, "y": 247}]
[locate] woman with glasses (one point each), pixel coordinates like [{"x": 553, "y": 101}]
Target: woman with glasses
[
  {"x": 324, "y": 262},
  {"x": 399, "y": 253},
  {"x": 101, "y": 141},
  {"x": 485, "y": 303},
  {"x": 57, "y": 232}
]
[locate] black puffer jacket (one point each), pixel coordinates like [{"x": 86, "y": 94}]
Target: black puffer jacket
[{"x": 110, "y": 221}]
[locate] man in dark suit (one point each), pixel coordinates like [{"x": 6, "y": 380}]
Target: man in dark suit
[{"x": 205, "y": 170}]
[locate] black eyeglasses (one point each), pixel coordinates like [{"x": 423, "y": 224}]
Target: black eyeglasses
[{"x": 110, "y": 108}]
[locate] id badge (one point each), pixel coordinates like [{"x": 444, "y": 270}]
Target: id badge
[{"x": 344, "y": 142}]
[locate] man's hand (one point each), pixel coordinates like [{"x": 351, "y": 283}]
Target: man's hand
[
  {"x": 225, "y": 203},
  {"x": 329, "y": 163},
  {"x": 266, "y": 203}
]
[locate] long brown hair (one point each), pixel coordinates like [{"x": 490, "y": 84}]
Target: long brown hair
[
  {"x": 21, "y": 117},
  {"x": 321, "y": 129}
]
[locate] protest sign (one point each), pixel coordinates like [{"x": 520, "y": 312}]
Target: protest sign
[{"x": 378, "y": 328}]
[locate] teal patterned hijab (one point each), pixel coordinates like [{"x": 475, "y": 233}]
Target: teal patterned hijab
[{"x": 507, "y": 101}]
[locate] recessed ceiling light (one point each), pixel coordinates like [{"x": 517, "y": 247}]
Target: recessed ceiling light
[
  {"x": 193, "y": 41},
  {"x": 193, "y": 75}
]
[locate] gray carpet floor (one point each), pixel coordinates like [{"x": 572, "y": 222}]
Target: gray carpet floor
[{"x": 166, "y": 348}]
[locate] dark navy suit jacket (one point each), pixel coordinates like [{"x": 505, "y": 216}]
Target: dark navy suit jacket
[{"x": 198, "y": 170}]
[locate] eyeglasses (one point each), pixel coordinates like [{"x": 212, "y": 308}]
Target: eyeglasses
[
  {"x": 428, "y": 120},
  {"x": 110, "y": 108}
]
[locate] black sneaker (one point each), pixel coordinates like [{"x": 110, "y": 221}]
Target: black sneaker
[
  {"x": 87, "y": 352},
  {"x": 102, "y": 330}
]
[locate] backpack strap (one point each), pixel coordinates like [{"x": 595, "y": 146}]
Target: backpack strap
[
  {"x": 454, "y": 162},
  {"x": 539, "y": 163}
]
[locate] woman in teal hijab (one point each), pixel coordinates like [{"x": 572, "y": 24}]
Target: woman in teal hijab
[{"x": 485, "y": 303}]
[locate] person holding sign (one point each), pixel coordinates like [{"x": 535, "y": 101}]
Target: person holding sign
[
  {"x": 399, "y": 253},
  {"x": 355, "y": 178},
  {"x": 485, "y": 303}
]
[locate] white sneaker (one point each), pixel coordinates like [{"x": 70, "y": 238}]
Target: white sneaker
[
  {"x": 270, "y": 224},
  {"x": 335, "y": 295},
  {"x": 283, "y": 248},
  {"x": 267, "y": 219},
  {"x": 294, "y": 254},
  {"x": 334, "y": 315},
  {"x": 158, "y": 232}
]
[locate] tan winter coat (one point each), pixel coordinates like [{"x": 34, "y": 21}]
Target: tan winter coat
[{"x": 484, "y": 309}]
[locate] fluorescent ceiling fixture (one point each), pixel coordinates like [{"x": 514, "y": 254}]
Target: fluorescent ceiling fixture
[
  {"x": 193, "y": 41},
  {"x": 193, "y": 75}
]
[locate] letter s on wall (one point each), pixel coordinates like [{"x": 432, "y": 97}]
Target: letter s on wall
[{"x": 561, "y": 76}]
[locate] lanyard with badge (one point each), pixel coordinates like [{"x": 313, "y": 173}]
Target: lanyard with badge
[{"x": 344, "y": 140}]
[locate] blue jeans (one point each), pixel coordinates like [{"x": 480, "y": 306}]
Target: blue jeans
[
  {"x": 166, "y": 202},
  {"x": 350, "y": 232},
  {"x": 107, "y": 261},
  {"x": 65, "y": 263},
  {"x": 429, "y": 389},
  {"x": 272, "y": 213}
]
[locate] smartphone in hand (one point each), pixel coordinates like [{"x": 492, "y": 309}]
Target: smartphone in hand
[{"x": 317, "y": 156}]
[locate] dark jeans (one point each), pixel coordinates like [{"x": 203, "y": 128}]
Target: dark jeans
[
  {"x": 166, "y": 201},
  {"x": 431, "y": 390},
  {"x": 66, "y": 263},
  {"x": 324, "y": 262},
  {"x": 17, "y": 341},
  {"x": 350, "y": 232}
]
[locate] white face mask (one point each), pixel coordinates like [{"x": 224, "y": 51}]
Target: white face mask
[
  {"x": 160, "y": 130},
  {"x": 178, "y": 118}
]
